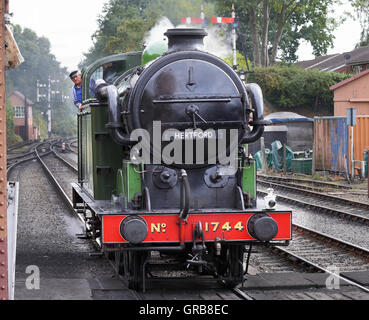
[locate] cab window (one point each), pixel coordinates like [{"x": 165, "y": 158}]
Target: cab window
[{"x": 109, "y": 72}]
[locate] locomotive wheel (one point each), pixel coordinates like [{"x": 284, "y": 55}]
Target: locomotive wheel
[{"x": 233, "y": 270}]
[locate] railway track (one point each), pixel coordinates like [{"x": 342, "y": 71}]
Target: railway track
[
  {"x": 54, "y": 172},
  {"x": 58, "y": 178},
  {"x": 319, "y": 251},
  {"x": 28, "y": 155},
  {"x": 38, "y": 150},
  {"x": 20, "y": 146},
  {"x": 324, "y": 250},
  {"x": 318, "y": 256},
  {"x": 175, "y": 291},
  {"x": 73, "y": 147},
  {"x": 357, "y": 211},
  {"x": 305, "y": 183},
  {"x": 318, "y": 248},
  {"x": 327, "y": 254}
]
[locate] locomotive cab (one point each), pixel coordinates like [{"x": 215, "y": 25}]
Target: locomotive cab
[
  {"x": 99, "y": 158},
  {"x": 163, "y": 163}
]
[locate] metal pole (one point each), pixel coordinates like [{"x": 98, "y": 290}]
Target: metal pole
[
  {"x": 49, "y": 109},
  {"x": 284, "y": 158},
  {"x": 4, "y": 290},
  {"x": 234, "y": 37},
  {"x": 264, "y": 164},
  {"x": 352, "y": 155},
  {"x": 313, "y": 169},
  {"x": 26, "y": 118},
  {"x": 202, "y": 16},
  {"x": 38, "y": 91}
]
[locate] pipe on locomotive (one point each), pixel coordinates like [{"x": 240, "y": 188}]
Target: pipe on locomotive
[
  {"x": 109, "y": 93},
  {"x": 258, "y": 122},
  {"x": 184, "y": 209}
]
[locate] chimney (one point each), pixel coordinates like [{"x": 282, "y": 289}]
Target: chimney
[{"x": 185, "y": 39}]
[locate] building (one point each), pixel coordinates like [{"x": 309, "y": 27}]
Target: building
[
  {"x": 354, "y": 61},
  {"x": 300, "y": 129},
  {"x": 18, "y": 102},
  {"x": 352, "y": 93}
]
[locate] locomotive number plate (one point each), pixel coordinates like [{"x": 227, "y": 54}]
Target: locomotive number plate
[{"x": 166, "y": 228}]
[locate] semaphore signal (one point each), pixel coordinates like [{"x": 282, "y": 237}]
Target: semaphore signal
[
  {"x": 222, "y": 20},
  {"x": 233, "y": 20},
  {"x": 189, "y": 20}
]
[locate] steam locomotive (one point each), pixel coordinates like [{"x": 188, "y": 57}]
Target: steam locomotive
[{"x": 165, "y": 182}]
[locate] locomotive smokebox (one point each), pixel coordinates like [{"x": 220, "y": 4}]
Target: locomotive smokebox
[{"x": 185, "y": 39}]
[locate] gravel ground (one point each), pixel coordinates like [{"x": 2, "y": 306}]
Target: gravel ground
[
  {"x": 264, "y": 260},
  {"x": 47, "y": 237},
  {"x": 359, "y": 187},
  {"x": 70, "y": 157},
  {"x": 64, "y": 174}
]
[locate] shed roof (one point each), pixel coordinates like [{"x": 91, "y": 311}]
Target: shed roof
[
  {"x": 277, "y": 117},
  {"x": 344, "y": 82},
  {"x": 336, "y": 61},
  {"x": 21, "y": 96}
]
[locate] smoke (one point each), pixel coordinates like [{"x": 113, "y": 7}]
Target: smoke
[
  {"x": 156, "y": 34},
  {"x": 218, "y": 41}
]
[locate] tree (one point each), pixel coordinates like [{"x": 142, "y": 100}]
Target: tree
[
  {"x": 361, "y": 8},
  {"x": 39, "y": 64},
  {"x": 122, "y": 27},
  {"x": 119, "y": 21},
  {"x": 292, "y": 88},
  {"x": 273, "y": 24},
  {"x": 175, "y": 10}
]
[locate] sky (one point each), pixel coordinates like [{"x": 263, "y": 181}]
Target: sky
[{"x": 69, "y": 25}]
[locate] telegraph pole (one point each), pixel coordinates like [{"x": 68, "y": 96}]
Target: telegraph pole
[
  {"x": 202, "y": 15},
  {"x": 26, "y": 117},
  {"x": 234, "y": 38},
  {"x": 38, "y": 91},
  {"x": 49, "y": 93},
  {"x": 4, "y": 290},
  {"x": 49, "y": 109}
]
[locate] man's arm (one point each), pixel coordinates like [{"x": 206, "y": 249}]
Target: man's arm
[{"x": 75, "y": 101}]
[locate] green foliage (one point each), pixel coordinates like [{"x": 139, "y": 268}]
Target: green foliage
[
  {"x": 122, "y": 27},
  {"x": 291, "y": 87},
  {"x": 62, "y": 126},
  {"x": 361, "y": 8},
  {"x": 120, "y": 21},
  {"x": 40, "y": 122},
  {"x": 175, "y": 10},
  {"x": 40, "y": 64},
  {"x": 241, "y": 62},
  {"x": 305, "y": 19},
  {"x": 310, "y": 23},
  {"x": 224, "y": 8}
]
